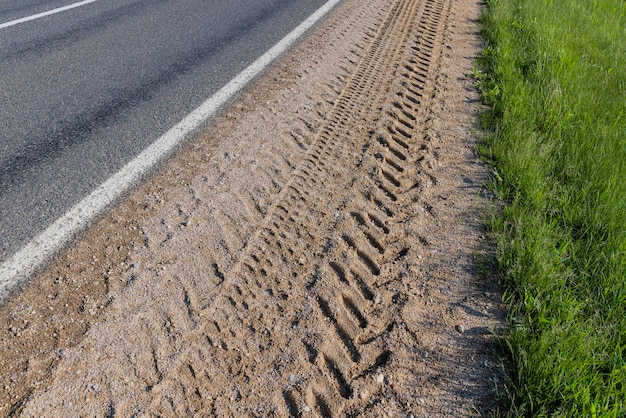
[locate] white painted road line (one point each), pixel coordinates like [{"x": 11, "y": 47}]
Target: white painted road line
[
  {"x": 40, "y": 249},
  {"x": 44, "y": 14}
]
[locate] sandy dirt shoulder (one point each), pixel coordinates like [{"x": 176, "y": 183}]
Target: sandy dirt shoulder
[{"x": 315, "y": 251}]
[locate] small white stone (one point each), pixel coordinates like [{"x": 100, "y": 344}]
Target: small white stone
[
  {"x": 380, "y": 378},
  {"x": 306, "y": 408}
]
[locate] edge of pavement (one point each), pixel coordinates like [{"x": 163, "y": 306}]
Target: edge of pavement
[{"x": 21, "y": 266}]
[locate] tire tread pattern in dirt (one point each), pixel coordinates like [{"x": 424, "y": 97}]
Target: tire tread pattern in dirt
[{"x": 331, "y": 362}]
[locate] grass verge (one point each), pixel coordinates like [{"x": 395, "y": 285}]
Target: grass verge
[{"x": 555, "y": 78}]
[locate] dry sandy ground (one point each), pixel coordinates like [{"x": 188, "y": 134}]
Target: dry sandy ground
[{"x": 314, "y": 252}]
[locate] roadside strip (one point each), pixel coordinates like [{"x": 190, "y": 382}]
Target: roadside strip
[{"x": 40, "y": 249}]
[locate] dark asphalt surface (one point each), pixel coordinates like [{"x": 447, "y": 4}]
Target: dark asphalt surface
[{"x": 84, "y": 91}]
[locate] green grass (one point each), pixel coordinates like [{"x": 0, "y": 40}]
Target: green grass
[{"x": 554, "y": 74}]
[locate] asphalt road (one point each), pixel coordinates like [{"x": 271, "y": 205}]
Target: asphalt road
[{"x": 84, "y": 91}]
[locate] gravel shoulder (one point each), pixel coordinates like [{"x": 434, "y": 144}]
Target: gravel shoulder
[{"x": 315, "y": 251}]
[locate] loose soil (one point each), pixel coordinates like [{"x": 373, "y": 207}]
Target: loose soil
[{"x": 315, "y": 251}]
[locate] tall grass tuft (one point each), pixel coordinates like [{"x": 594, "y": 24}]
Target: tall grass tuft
[{"x": 555, "y": 77}]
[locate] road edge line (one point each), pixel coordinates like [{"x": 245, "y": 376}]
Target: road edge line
[{"x": 46, "y": 13}]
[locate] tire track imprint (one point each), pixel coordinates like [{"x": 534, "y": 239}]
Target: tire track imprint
[{"x": 346, "y": 353}]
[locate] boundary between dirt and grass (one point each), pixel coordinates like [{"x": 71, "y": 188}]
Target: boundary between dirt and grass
[
  {"x": 40, "y": 249},
  {"x": 554, "y": 73}
]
